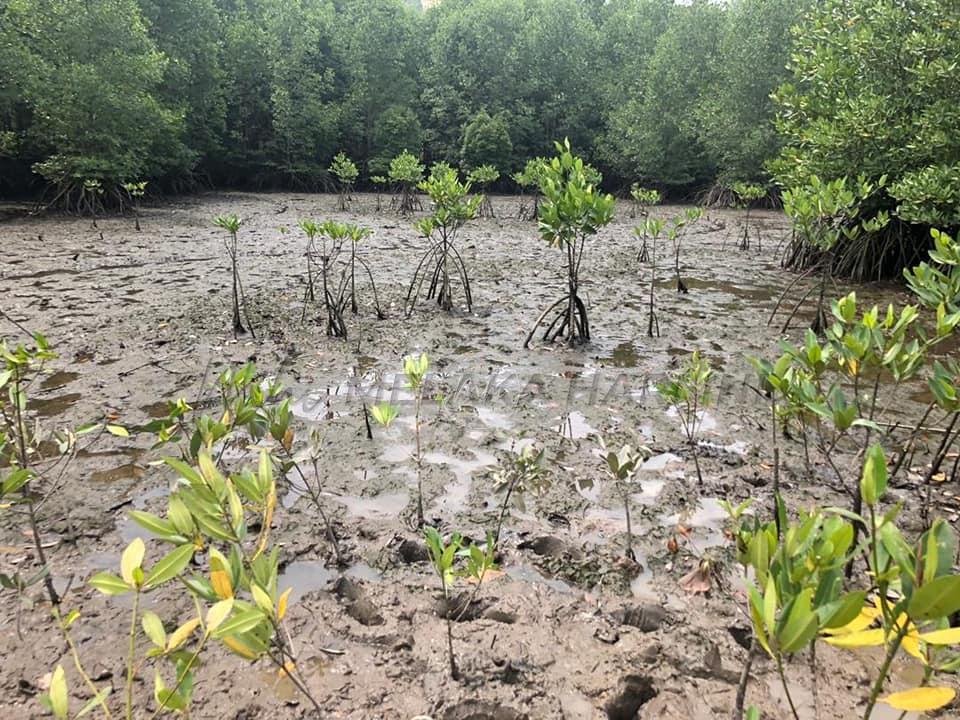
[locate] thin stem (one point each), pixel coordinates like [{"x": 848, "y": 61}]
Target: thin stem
[
  {"x": 744, "y": 681},
  {"x": 786, "y": 689},
  {"x": 79, "y": 665},
  {"x": 884, "y": 669},
  {"x": 131, "y": 650}
]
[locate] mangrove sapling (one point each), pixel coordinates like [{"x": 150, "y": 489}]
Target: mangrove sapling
[
  {"x": 822, "y": 214},
  {"x": 452, "y": 208},
  {"x": 689, "y": 393},
  {"x": 406, "y": 173},
  {"x": 31, "y": 471},
  {"x": 237, "y": 580},
  {"x": 477, "y": 565},
  {"x": 525, "y": 474},
  {"x": 678, "y": 227},
  {"x": 642, "y": 200},
  {"x": 311, "y": 229},
  {"x": 481, "y": 178},
  {"x": 652, "y": 228},
  {"x": 747, "y": 194},
  {"x": 135, "y": 191},
  {"x": 415, "y": 371},
  {"x": 379, "y": 182},
  {"x": 529, "y": 179},
  {"x": 232, "y": 223},
  {"x": 91, "y": 199},
  {"x": 332, "y": 236},
  {"x": 340, "y": 233},
  {"x": 346, "y": 172},
  {"x": 572, "y": 212},
  {"x": 622, "y": 466}
]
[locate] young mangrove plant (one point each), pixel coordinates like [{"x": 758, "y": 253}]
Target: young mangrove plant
[
  {"x": 231, "y": 223},
  {"x": 573, "y": 211},
  {"x": 332, "y": 236},
  {"x": 135, "y": 191},
  {"x": 525, "y": 474},
  {"x": 689, "y": 393},
  {"x": 676, "y": 232},
  {"x": 746, "y": 195},
  {"x": 33, "y": 460},
  {"x": 622, "y": 465},
  {"x": 452, "y": 208},
  {"x": 346, "y": 172},
  {"x": 641, "y": 201},
  {"x": 652, "y": 228},
  {"x": 529, "y": 180},
  {"x": 415, "y": 369},
  {"x": 234, "y": 588},
  {"x": 477, "y": 564},
  {"x": 354, "y": 234},
  {"x": 822, "y": 214},
  {"x": 406, "y": 173},
  {"x": 481, "y": 178},
  {"x": 797, "y": 592}
]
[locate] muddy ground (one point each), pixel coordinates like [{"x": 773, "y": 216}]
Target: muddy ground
[{"x": 572, "y": 629}]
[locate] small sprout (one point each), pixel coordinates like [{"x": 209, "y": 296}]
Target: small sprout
[{"x": 384, "y": 413}]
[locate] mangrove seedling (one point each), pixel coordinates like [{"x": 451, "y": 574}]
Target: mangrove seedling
[
  {"x": 481, "y": 178},
  {"x": 678, "y": 227},
  {"x": 452, "y": 208},
  {"x": 231, "y": 223},
  {"x": 529, "y": 179},
  {"x": 348, "y": 284},
  {"x": 652, "y": 228},
  {"x": 379, "y": 182},
  {"x": 642, "y": 200},
  {"x": 415, "y": 371},
  {"x": 622, "y": 466},
  {"x": 748, "y": 194},
  {"x": 689, "y": 393},
  {"x": 135, "y": 191},
  {"x": 573, "y": 211},
  {"x": 91, "y": 198},
  {"x": 525, "y": 474},
  {"x": 332, "y": 236},
  {"x": 478, "y": 563},
  {"x": 406, "y": 173},
  {"x": 345, "y": 170}
]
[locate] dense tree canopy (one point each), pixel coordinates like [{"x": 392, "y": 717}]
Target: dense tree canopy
[{"x": 672, "y": 95}]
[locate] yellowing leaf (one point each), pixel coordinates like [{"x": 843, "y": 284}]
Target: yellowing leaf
[
  {"x": 488, "y": 576},
  {"x": 920, "y": 699},
  {"x": 218, "y": 613},
  {"x": 288, "y": 669},
  {"x": 131, "y": 560},
  {"x": 911, "y": 645},
  {"x": 282, "y": 603},
  {"x": 181, "y": 634},
  {"x": 864, "y": 620},
  {"x": 950, "y": 636},
  {"x": 239, "y": 648},
  {"x": 58, "y": 694},
  {"x": 261, "y": 598},
  {"x": 220, "y": 580},
  {"x": 864, "y": 638},
  {"x": 118, "y": 430}
]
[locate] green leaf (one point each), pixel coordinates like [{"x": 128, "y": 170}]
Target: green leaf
[
  {"x": 96, "y": 701},
  {"x": 153, "y": 628},
  {"x": 936, "y": 599},
  {"x": 153, "y": 523},
  {"x": 242, "y": 622},
  {"x": 873, "y": 483},
  {"x": 801, "y": 624},
  {"x": 170, "y": 566},
  {"x": 843, "y": 611},
  {"x": 109, "y": 584},
  {"x": 132, "y": 560}
]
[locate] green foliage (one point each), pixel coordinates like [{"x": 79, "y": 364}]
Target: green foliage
[
  {"x": 688, "y": 391},
  {"x": 486, "y": 141},
  {"x": 483, "y": 175},
  {"x": 406, "y": 172},
  {"x": 344, "y": 169},
  {"x": 453, "y": 206},
  {"x": 872, "y": 92},
  {"x": 573, "y": 211}
]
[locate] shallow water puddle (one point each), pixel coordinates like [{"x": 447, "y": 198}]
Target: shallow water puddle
[
  {"x": 384, "y": 505},
  {"x": 707, "y": 520},
  {"x": 494, "y": 419},
  {"x": 708, "y": 422},
  {"x": 58, "y": 380},
  {"x": 529, "y": 574},
  {"x": 52, "y": 407},
  {"x": 574, "y": 425},
  {"x": 454, "y": 497},
  {"x": 127, "y": 471},
  {"x": 306, "y": 576}
]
